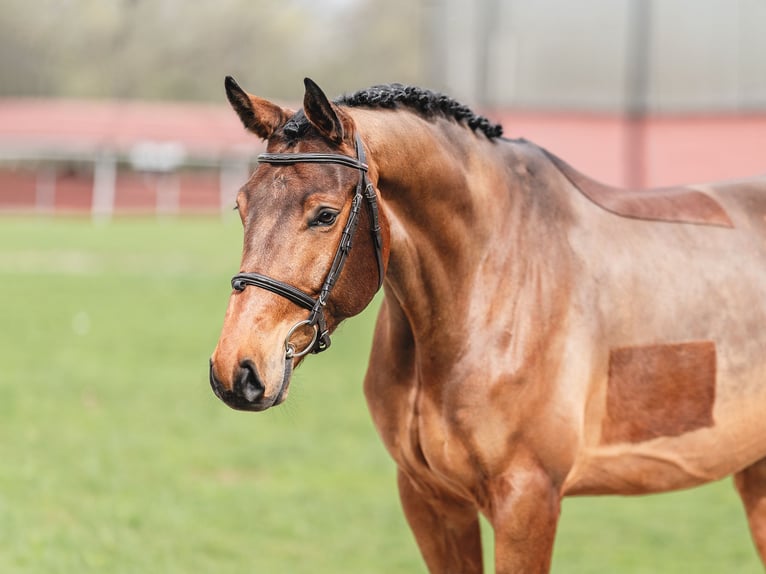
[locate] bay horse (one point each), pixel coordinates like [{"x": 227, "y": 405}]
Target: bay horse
[{"x": 542, "y": 335}]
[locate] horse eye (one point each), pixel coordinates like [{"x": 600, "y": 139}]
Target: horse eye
[{"x": 325, "y": 218}]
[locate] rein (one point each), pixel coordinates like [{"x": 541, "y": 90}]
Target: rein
[{"x": 316, "y": 319}]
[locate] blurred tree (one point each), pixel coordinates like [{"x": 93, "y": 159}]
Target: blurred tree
[{"x": 174, "y": 49}]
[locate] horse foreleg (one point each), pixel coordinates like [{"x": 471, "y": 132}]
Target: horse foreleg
[
  {"x": 446, "y": 530},
  {"x": 525, "y": 512},
  {"x": 751, "y": 484}
]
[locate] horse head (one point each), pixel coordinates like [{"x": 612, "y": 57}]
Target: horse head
[{"x": 299, "y": 277}]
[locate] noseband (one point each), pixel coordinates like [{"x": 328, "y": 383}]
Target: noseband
[{"x": 316, "y": 319}]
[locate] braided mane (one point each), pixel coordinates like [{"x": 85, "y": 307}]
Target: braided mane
[{"x": 392, "y": 96}]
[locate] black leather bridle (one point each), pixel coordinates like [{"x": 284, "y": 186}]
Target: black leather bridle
[{"x": 316, "y": 319}]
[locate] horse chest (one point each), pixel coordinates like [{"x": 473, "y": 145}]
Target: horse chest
[
  {"x": 430, "y": 442},
  {"x": 444, "y": 450},
  {"x": 439, "y": 420}
]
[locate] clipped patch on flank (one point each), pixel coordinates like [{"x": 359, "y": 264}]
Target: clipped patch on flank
[{"x": 659, "y": 390}]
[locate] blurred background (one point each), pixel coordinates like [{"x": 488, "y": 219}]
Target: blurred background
[
  {"x": 633, "y": 92},
  {"x": 119, "y": 163}
]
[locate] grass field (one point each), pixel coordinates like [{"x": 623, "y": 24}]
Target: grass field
[{"x": 115, "y": 456}]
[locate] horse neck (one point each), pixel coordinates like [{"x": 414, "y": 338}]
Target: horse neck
[
  {"x": 471, "y": 230},
  {"x": 440, "y": 223}
]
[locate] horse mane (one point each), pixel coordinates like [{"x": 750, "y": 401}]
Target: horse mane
[{"x": 420, "y": 100}]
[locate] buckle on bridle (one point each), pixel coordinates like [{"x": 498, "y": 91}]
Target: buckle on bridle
[{"x": 290, "y": 352}]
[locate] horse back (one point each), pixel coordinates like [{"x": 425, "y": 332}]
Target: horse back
[
  {"x": 695, "y": 204},
  {"x": 670, "y": 305}
]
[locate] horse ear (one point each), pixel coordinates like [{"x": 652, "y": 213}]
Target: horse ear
[
  {"x": 328, "y": 118},
  {"x": 258, "y": 115}
]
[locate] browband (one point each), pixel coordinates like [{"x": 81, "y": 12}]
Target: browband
[{"x": 312, "y": 158}]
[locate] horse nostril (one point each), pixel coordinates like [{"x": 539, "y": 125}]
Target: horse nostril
[{"x": 248, "y": 385}]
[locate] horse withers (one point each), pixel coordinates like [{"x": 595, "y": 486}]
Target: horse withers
[{"x": 541, "y": 334}]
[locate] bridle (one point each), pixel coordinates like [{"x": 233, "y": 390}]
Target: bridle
[{"x": 316, "y": 319}]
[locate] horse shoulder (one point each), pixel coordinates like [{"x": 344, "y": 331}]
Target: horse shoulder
[{"x": 389, "y": 384}]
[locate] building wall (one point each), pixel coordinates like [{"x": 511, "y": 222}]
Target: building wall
[
  {"x": 46, "y": 189},
  {"x": 677, "y": 149}
]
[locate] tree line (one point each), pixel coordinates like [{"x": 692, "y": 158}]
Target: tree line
[{"x": 181, "y": 50}]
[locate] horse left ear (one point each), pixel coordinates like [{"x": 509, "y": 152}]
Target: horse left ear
[
  {"x": 325, "y": 116},
  {"x": 257, "y": 115}
]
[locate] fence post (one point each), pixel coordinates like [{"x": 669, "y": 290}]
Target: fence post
[
  {"x": 45, "y": 190},
  {"x": 232, "y": 176},
  {"x": 636, "y": 92},
  {"x": 104, "y": 183}
]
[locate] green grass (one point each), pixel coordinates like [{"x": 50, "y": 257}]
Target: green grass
[{"x": 115, "y": 456}]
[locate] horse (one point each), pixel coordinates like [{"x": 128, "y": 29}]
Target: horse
[{"x": 541, "y": 334}]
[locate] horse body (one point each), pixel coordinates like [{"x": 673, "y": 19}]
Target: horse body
[
  {"x": 533, "y": 344},
  {"x": 672, "y": 285},
  {"x": 621, "y": 283},
  {"x": 511, "y": 362}
]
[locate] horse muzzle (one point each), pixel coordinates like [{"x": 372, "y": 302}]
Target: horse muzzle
[{"x": 247, "y": 391}]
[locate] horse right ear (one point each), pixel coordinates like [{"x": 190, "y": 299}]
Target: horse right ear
[{"x": 259, "y": 116}]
